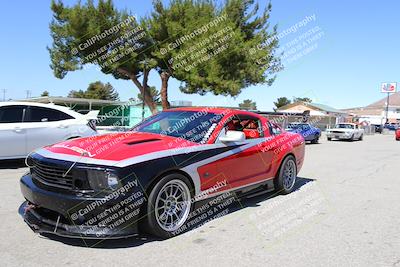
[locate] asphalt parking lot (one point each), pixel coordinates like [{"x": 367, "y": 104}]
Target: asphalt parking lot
[{"x": 345, "y": 212}]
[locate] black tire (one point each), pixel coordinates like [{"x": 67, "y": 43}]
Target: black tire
[
  {"x": 351, "y": 138},
  {"x": 329, "y": 138},
  {"x": 151, "y": 224},
  {"x": 280, "y": 178},
  {"x": 361, "y": 137},
  {"x": 315, "y": 140}
]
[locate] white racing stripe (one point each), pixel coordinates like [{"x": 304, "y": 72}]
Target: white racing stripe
[
  {"x": 192, "y": 169},
  {"x": 130, "y": 161}
]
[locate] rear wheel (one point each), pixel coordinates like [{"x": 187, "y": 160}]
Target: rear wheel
[
  {"x": 287, "y": 175},
  {"x": 168, "y": 206},
  {"x": 329, "y": 138}
]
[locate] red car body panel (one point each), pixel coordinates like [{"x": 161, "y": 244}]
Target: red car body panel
[
  {"x": 256, "y": 160},
  {"x": 119, "y": 146},
  {"x": 67, "y": 178}
]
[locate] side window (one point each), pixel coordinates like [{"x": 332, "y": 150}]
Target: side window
[
  {"x": 11, "y": 114},
  {"x": 250, "y": 126},
  {"x": 40, "y": 114}
]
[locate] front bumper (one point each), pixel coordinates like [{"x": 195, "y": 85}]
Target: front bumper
[
  {"x": 338, "y": 136},
  {"x": 61, "y": 214}
]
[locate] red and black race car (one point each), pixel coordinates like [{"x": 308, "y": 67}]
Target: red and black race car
[
  {"x": 152, "y": 177},
  {"x": 397, "y": 134}
]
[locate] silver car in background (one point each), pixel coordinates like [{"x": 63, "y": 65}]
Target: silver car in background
[
  {"x": 345, "y": 131},
  {"x": 26, "y": 126}
]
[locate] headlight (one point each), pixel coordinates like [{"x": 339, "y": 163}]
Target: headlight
[{"x": 103, "y": 179}]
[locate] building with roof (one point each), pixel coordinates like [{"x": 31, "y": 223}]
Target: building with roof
[
  {"x": 320, "y": 115},
  {"x": 315, "y": 109},
  {"x": 375, "y": 113}
]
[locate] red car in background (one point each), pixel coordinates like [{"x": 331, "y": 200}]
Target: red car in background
[
  {"x": 151, "y": 177},
  {"x": 397, "y": 134}
]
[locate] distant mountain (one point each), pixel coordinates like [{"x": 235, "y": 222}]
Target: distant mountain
[{"x": 393, "y": 101}]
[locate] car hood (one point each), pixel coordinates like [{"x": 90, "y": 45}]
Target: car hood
[
  {"x": 118, "y": 146},
  {"x": 341, "y": 130}
]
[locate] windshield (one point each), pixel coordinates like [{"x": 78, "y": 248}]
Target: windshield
[
  {"x": 195, "y": 126},
  {"x": 345, "y": 126},
  {"x": 298, "y": 126}
]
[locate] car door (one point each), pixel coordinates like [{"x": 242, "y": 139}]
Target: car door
[
  {"x": 12, "y": 132},
  {"x": 358, "y": 131},
  {"x": 45, "y": 126},
  {"x": 247, "y": 162}
]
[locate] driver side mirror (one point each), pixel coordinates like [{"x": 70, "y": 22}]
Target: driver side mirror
[{"x": 233, "y": 136}]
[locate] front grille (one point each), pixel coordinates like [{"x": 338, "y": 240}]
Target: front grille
[
  {"x": 337, "y": 132},
  {"x": 52, "y": 175}
]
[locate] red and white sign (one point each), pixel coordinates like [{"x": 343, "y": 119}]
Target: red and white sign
[{"x": 388, "y": 87}]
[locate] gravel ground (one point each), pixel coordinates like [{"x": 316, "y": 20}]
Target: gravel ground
[{"x": 346, "y": 212}]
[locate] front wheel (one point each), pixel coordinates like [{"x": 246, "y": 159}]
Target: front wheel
[
  {"x": 287, "y": 175},
  {"x": 361, "y": 137},
  {"x": 168, "y": 206}
]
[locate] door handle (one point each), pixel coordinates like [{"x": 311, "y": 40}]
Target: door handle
[{"x": 17, "y": 130}]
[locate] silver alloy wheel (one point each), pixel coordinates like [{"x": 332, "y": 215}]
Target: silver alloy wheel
[
  {"x": 172, "y": 205},
  {"x": 289, "y": 174}
]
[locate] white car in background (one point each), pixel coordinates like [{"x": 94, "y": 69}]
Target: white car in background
[
  {"x": 346, "y": 131},
  {"x": 26, "y": 126}
]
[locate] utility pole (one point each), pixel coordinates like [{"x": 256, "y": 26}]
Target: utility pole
[
  {"x": 28, "y": 93},
  {"x": 387, "y": 108}
]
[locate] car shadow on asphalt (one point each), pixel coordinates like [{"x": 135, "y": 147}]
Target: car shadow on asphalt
[
  {"x": 12, "y": 164},
  {"x": 242, "y": 203}
]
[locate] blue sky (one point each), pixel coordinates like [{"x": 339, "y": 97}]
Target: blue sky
[{"x": 355, "y": 50}]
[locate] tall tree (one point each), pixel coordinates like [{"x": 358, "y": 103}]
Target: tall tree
[
  {"x": 215, "y": 39},
  {"x": 104, "y": 37},
  {"x": 248, "y": 104},
  {"x": 207, "y": 46},
  {"x": 77, "y": 94},
  {"x": 280, "y": 102},
  {"x": 45, "y": 93},
  {"x": 302, "y": 99},
  {"x": 97, "y": 90}
]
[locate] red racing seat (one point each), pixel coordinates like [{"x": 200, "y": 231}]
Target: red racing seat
[{"x": 251, "y": 133}]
